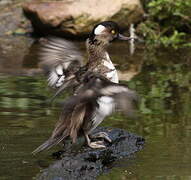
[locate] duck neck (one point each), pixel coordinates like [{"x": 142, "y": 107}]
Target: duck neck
[
  {"x": 99, "y": 60},
  {"x": 96, "y": 50}
]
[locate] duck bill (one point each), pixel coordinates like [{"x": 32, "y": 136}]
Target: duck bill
[{"x": 122, "y": 37}]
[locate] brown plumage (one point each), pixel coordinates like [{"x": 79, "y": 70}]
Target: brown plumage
[
  {"x": 96, "y": 90},
  {"x": 78, "y": 109}
]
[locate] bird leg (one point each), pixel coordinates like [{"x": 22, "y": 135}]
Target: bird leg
[
  {"x": 103, "y": 135},
  {"x": 94, "y": 145}
]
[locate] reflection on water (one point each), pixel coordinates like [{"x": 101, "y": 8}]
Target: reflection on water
[
  {"x": 24, "y": 116},
  {"x": 164, "y": 84},
  {"x": 162, "y": 79}
]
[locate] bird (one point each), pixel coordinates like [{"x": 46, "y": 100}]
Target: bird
[{"x": 95, "y": 87}]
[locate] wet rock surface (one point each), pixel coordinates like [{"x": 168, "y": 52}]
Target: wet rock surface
[
  {"x": 76, "y": 18},
  {"x": 89, "y": 163}
]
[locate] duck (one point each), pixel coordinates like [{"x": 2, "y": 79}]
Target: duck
[{"x": 95, "y": 89}]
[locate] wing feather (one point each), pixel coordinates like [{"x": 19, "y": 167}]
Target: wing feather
[
  {"x": 125, "y": 99},
  {"x": 78, "y": 110},
  {"x": 59, "y": 58}
]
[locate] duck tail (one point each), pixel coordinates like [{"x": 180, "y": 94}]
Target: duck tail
[{"x": 48, "y": 144}]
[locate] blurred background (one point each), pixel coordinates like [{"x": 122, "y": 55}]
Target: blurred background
[{"x": 158, "y": 69}]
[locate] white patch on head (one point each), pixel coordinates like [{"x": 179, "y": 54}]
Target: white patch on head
[{"x": 99, "y": 29}]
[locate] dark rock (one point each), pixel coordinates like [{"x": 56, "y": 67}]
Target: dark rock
[
  {"x": 89, "y": 163},
  {"x": 76, "y": 18}
]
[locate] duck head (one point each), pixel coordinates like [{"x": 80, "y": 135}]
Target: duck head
[{"x": 106, "y": 32}]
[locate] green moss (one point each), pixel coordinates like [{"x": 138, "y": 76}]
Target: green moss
[
  {"x": 80, "y": 25},
  {"x": 169, "y": 22}
]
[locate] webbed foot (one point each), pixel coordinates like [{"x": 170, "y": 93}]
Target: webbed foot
[
  {"x": 103, "y": 135},
  {"x": 96, "y": 144}
]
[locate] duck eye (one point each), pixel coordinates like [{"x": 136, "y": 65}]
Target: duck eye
[{"x": 113, "y": 31}]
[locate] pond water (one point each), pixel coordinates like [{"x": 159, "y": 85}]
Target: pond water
[{"x": 162, "y": 77}]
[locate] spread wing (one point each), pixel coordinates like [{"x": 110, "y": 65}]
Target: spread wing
[
  {"x": 95, "y": 86},
  {"x": 59, "y": 59},
  {"x": 80, "y": 107}
]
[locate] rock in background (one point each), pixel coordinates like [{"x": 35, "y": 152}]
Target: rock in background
[
  {"x": 77, "y": 17},
  {"x": 12, "y": 20},
  {"x": 14, "y": 39}
]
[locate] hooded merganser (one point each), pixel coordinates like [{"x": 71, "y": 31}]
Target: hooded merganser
[{"x": 96, "y": 90}]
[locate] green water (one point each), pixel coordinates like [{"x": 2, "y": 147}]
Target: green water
[{"x": 162, "y": 77}]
